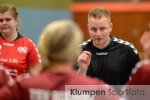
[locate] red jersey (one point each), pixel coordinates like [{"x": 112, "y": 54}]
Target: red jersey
[
  {"x": 3, "y": 77},
  {"x": 48, "y": 86},
  {"x": 141, "y": 73},
  {"x": 139, "y": 81},
  {"x": 17, "y": 55}
]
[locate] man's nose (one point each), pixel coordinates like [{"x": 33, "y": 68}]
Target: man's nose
[{"x": 99, "y": 32}]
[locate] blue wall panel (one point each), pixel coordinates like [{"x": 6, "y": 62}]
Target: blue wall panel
[{"x": 34, "y": 20}]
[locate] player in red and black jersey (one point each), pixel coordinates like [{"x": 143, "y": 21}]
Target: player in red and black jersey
[{"x": 17, "y": 52}]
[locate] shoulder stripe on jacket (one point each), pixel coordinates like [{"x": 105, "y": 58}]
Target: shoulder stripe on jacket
[
  {"x": 86, "y": 42},
  {"x": 126, "y": 43}
]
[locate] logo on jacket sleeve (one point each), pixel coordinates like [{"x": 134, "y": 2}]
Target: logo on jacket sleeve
[{"x": 23, "y": 49}]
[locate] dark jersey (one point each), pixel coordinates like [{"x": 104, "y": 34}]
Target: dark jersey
[
  {"x": 114, "y": 63},
  {"x": 49, "y": 86}
]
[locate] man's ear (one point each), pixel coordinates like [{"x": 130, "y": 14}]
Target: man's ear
[{"x": 111, "y": 26}]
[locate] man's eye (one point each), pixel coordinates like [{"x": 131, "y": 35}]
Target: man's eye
[
  {"x": 102, "y": 28},
  {"x": 1, "y": 20},
  {"x": 94, "y": 29}
]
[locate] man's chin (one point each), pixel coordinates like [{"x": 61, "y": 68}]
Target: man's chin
[{"x": 99, "y": 43}]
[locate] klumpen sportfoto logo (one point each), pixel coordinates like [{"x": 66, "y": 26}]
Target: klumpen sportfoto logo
[{"x": 102, "y": 92}]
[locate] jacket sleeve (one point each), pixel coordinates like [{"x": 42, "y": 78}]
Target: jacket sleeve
[{"x": 133, "y": 59}]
